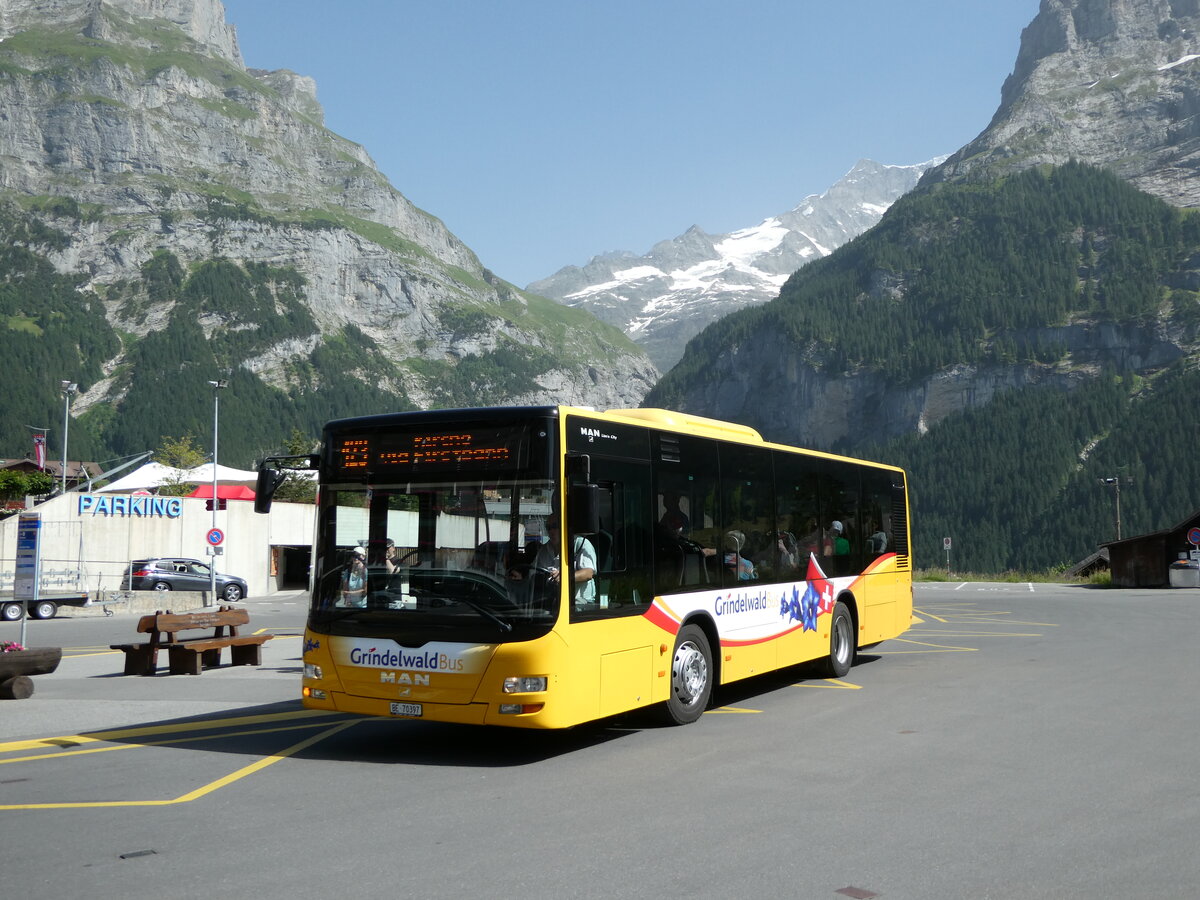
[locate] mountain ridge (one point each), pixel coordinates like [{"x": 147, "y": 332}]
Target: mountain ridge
[
  {"x": 134, "y": 133},
  {"x": 1049, "y": 268},
  {"x": 1116, "y": 86},
  {"x": 664, "y": 297}
]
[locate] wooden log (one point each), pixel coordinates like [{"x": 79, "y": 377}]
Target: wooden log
[{"x": 18, "y": 687}]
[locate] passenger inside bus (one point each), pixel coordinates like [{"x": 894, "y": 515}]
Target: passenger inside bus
[
  {"x": 740, "y": 568},
  {"x": 548, "y": 562},
  {"x": 354, "y": 580},
  {"x": 781, "y": 556},
  {"x": 684, "y": 561}
]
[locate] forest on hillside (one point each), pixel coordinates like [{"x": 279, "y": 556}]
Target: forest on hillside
[
  {"x": 960, "y": 274},
  {"x": 971, "y": 273},
  {"x": 990, "y": 275},
  {"x": 55, "y": 329},
  {"x": 218, "y": 319},
  {"x": 1022, "y": 484}
]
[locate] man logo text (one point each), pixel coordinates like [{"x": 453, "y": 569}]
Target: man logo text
[{"x": 404, "y": 678}]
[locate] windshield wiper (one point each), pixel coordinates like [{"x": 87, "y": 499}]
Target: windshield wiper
[{"x": 485, "y": 612}]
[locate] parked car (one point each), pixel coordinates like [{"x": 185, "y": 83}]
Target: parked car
[{"x": 175, "y": 574}]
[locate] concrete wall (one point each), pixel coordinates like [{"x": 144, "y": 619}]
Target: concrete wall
[{"x": 88, "y": 541}]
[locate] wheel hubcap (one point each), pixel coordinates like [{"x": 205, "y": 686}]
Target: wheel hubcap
[
  {"x": 689, "y": 673},
  {"x": 841, "y": 637}
]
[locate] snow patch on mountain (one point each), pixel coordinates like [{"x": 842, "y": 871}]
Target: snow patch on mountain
[{"x": 664, "y": 297}]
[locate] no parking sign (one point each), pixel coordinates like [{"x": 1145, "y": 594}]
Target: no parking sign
[{"x": 215, "y": 536}]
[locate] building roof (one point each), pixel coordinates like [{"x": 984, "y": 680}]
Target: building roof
[
  {"x": 1085, "y": 567},
  {"x": 1183, "y": 525},
  {"x": 76, "y": 469}
]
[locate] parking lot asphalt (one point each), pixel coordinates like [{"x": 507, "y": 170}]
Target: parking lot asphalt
[
  {"x": 88, "y": 690},
  {"x": 1018, "y": 741}
]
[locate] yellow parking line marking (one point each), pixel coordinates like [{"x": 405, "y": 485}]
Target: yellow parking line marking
[
  {"x": 926, "y": 613},
  {"x": 830, "y": 683},
  {"x": 970, "y": 633},
  {"x": 937, "y": 648},
  {"x": 201, "y": 791},
  {"x": 731, "y": 709},
  {"x": 173, "y": 728},
  {"x": 179, "y": 740},
  {"x": 983, "y": 620}
]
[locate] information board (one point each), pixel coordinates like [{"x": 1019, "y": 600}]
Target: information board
[{"x": 29, "y": 554}]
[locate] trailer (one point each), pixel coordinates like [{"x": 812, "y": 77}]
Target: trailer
[{"x": 45, "y": 607}]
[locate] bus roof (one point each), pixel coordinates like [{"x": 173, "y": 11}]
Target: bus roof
[
  {"x": 671, "y": 420},
  {"x": 680, "y": 421}
]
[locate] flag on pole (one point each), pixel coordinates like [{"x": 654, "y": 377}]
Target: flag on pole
[{"x": 39, "y": 449}]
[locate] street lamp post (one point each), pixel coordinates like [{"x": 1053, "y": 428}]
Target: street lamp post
[
  {"x": 212, "y": 569},
  {"x": 1115, "y": 484},
  {"x": 68, "y": 388}
]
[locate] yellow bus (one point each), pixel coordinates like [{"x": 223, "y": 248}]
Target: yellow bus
[{"x": 694, "y": 554}]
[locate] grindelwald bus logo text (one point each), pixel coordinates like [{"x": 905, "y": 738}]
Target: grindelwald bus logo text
[{"x": 399, "y": 658}]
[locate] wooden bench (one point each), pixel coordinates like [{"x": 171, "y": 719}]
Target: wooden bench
[{"x": 190, "y": 655}]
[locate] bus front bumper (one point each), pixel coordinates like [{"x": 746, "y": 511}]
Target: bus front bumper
[{"x": 523, "y": 715}]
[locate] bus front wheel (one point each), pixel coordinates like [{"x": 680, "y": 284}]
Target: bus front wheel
[
  {"x": 691, "y": 676},
  {"x": 841, "y": 642}
]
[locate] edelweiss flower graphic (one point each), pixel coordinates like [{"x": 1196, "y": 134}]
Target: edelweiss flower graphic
[{"x": 816, "y": 600}]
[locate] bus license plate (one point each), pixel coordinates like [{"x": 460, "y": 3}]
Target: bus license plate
[{"x": 406, "y": 709}]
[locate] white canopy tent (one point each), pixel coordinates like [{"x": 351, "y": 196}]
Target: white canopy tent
[
  {"x": 153, "y": 475},
  {"x": 225, "y": 475}
]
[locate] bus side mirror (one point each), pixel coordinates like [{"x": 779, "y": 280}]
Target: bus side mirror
[
  {"x": 584, "y": 512},
  {"x": 265, "y": 486},
  {"x": 271, "y": 473}
]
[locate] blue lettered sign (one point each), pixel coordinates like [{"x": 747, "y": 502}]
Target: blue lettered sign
[{"x": 127, "y": 505}]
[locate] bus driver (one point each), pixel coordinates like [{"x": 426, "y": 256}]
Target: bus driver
[{"x": 548, "y": 560}]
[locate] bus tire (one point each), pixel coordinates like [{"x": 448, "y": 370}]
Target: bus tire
[
  {"x": 841, "y": 642},
  {"x": 691, "y": 676}
]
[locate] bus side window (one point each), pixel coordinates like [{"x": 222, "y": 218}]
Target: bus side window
[
  {"x": 624, "y": 583},
  {"x": 842, "y": 546},
  {"x": 687, "y": 532},
  {"x": 751, "y": 543},
  {"x": 877, "y": 514},
  {"x": 799, "y": 514}
]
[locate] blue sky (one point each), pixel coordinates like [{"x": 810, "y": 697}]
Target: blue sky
[{"x": 544, "y": 132}]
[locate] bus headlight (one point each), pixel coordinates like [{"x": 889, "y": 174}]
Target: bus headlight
[
  {"x": 312, "y": 671},
  {"x": 524, "y": 685}
]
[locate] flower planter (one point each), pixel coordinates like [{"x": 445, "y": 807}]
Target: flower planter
[{"x": 17, "y": 665}]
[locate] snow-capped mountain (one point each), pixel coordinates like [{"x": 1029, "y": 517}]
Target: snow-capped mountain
[{"x": 670, "y": 294}]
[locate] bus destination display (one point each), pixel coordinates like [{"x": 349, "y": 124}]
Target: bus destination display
[{"x": 452, "y": 450}]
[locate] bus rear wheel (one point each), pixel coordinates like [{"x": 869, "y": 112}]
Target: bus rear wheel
[
  {"x": 841, "y": 642},
  {"x": 691, "y": 676}
]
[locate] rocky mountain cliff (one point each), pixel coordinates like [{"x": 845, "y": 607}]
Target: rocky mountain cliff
[
  {"x": 1112, "y": 83},
  {"x": 133, "y": 130},
  {"x": 1109, "y": 83},
  {"x": 665, "y": 297}
]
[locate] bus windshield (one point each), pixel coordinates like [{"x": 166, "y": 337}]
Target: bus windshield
[{"x": 435, "y": 560}]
